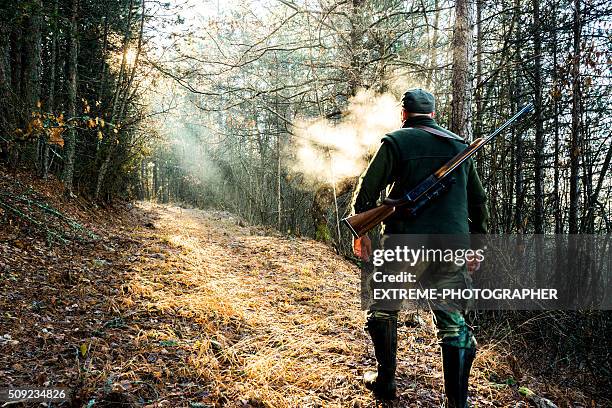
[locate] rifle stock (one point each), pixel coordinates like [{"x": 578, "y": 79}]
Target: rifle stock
[{"x": 361, "y": 223}]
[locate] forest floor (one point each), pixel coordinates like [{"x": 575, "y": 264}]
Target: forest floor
[{"x": 162, "y": 306}]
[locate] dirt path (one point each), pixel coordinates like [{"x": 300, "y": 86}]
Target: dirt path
[
  {"x": 280, "y": 321},
  {"x": 187, "y": 308},
  {"x": 281, "y": 317}
]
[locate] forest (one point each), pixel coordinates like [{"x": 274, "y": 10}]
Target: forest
[
  {"x": 227, "y": 106},
  {"x": 268, "y": 111}
]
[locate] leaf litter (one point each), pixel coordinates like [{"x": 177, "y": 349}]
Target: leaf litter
[{"x": 178, "y": 307}]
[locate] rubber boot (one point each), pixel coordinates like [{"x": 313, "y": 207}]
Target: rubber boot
[
  {"x": 384, "y": 336},
  {"x": 457, "y": 364}
]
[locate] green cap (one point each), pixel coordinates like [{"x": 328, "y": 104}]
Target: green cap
[{"x": 418, "y": 101}]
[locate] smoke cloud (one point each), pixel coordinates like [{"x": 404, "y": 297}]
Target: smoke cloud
[{"x": 330, "y": 150}]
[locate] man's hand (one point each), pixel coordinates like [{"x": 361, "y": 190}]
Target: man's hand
[
  {"x": 362, "y": 248},
  {"x": 473, "y": 265}
]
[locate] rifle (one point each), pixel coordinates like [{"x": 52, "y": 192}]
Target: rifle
[{"x": 427, "y": 190}]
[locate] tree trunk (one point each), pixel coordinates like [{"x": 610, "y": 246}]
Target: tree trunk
[
  {"x": 32, "y": 59},
  {"x": 461, "y": 76},
  {"x": 356, "y": 48},
  {"x": 478, "y": 91},
  {"x": 16, "y": 64},
  {"x": 539, "y": 141},
  {"x": 433, "y": 52},
  {"x": 576, "y": 125},
  {"x": 575, "y": 154},
  {"x": 518, "y": 183},
  {"x": 119, "y": 104},
  {"x": 52, "y": 80},
  {"x": 70, "y": 142},
  {"x": 144, "y": 180},
  {"x": 278, "y": 183},
  {"x": 155, "y": 181},
  {"x": 556, "y": 96},
  {"x": 32, "y": 73},
  {"x": 5, "y": 83}
]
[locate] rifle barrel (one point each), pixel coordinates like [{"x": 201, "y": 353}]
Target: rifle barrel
[
  {"x": 526, "y": 109},
  {"x": 474, "y": 148}
]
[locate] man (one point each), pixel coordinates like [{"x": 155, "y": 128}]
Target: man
[{"x": 406, "y": 157}]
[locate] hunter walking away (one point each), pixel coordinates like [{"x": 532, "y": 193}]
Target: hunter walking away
[
  {"x": 193, "y": 195},
  {"x": 405, "y": 158}
]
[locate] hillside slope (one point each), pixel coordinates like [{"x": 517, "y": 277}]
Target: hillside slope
[{"x": 173, "y": 307}]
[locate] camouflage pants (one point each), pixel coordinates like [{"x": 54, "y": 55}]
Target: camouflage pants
[{"x": 449, "y": 318}]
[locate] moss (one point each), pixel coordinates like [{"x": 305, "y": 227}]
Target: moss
[{"x": 323, "y": 233}]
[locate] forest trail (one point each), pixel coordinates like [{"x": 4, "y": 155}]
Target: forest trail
[
  {"x": 179, "y": 307},
  {"x": 280, "y": 319},
  {"x": 264, "y": 319}
]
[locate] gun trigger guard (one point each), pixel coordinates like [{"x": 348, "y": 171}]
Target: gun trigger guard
[{"x": 396, "y": 202}]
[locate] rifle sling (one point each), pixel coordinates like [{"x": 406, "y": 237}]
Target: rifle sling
[{"x": 440, "y": 133}]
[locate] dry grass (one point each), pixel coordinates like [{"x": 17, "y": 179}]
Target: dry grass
[
  {"x": 279, "y": 319},
  {"x": 203, "y": 312}
]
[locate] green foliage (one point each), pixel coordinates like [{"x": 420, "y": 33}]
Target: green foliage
[
  {"x": 323, "y": 233},
  {"x": 108, "y": 112}
]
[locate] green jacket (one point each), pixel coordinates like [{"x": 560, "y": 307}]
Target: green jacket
[{"x": 406, "y": 157}]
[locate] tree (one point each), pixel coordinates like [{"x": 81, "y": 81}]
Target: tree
[
  {"x": 460, "y": 122},
  {"x": 72, "y": 63},
  {"x": 575, "y": 138}
]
